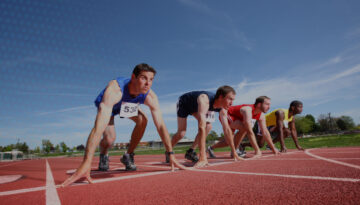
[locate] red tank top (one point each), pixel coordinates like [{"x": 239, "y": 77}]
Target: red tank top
[{"x": 234, "y": 112}]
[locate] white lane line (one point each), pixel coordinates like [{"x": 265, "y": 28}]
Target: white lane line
[
  {"x": 131, "y": 176},
  {"x": 280, "y": 175},
  {"x": 9, "y": 178},
  {"x": 331, "y": 160},
  {"x": 52, "y": 196},
  {"x": 20, "y": 191}
]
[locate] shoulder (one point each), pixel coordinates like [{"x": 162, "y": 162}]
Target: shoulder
[
  {"x": 279, "y": 111},
  {"x": 246, "y": 108},
  {"x": 113, "y": 86},
  {"x": 151, "y": 94}
]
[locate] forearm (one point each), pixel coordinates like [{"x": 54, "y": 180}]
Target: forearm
[
  {"x": 253, "y": 142},
  {"x": 91, "y": 144},
  {"x": 294, "y": 136},
  {"x": 229, "y": 138},
  {"x": 164, "y": 135},
  {"x": 281, "y": 136},
  {"x": 202, "y": 141},
  {"x": 269, "y": 141}
]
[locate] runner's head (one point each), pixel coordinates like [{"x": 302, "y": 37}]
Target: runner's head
[
  {"x": 263, "y": 103},
  {"x": 142, "y": 77},
  {"x": 296, "y": 107},
  {"x": 225, "y": 95}
]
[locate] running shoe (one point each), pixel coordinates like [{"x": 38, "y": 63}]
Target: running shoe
[
  {"x": 191, "y": 155},
  {"x": 211, "y": 152},
  {"x": 268, "y": 147},
  {"x": 104, "y": 162},
  {"x": 240, "y": 153},
  {"x": 128, "y": 162}
]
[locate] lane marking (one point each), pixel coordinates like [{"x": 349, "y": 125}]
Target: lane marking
[
  {"x": 331, "y": 160},
  {"x": 51, "y": 194},
  {"x": 20, "y": 191},
  {"x": 130, "y": 177},
  {"x": 9, "y": 178},
  {"x": 280, "y": 175}
]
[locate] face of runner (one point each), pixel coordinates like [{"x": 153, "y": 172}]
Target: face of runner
[
  {"x": 265, "y": 106},
  {"x": 298, "y": 109},
  {"x": 228, "y": 100},
  {"x": 144, "y": 81}
]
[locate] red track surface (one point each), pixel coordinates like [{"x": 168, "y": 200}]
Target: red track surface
[{"x": 292, "y": 178}]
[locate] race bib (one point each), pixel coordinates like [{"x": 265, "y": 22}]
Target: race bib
[
  {"x": 253, "y": 121},
  {"x": 210, "y": 116},
  {"x": 129, "y": 109}
]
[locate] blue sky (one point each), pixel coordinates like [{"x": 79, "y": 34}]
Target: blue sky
[{"x": 56, "y": 56}]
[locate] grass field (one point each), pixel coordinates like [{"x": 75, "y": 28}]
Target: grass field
[{"x": 311, "y": 142}]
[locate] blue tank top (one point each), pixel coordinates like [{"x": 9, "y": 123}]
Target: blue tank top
[
  {"x": 126, "y": 97},
  {"x": 189, "y": 102}
]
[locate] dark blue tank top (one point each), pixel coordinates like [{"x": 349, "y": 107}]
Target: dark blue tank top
[
  {"x": 123, "y": 84},
  {"x": 189, "y": 102}
]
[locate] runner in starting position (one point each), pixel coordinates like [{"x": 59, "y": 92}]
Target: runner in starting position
[
  {"x": 202, "y": 105},
  {"x": 242, "y": 118},
  {"x": 123, "y": 96}
]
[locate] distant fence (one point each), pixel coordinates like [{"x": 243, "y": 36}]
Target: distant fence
[{"x": 16, "y": 155}]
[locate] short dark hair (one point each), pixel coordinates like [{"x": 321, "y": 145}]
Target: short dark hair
[
  {"x": 261, "y": 99},
  {"x": 143, "y": 67},
  {"x": 295, "y": 103},
  {"x": 223, "y": 91}
]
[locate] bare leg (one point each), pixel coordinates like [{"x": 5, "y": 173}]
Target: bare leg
[
  {"x": 196, "y": 142},
  {"x": 138, "y": 132},
  {"x": 109, "y": 137}
]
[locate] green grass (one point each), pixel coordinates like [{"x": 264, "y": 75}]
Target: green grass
[
  {"x": 316, "y": 142},
  {"x": 311, "y": 142}
]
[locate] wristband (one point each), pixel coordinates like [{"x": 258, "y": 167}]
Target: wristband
[{"x": 169, "y": 153}]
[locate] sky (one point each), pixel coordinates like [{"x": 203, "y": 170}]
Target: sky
[{"x": 57, "y": 56}]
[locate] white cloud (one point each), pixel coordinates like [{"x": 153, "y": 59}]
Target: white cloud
[{"x": 67, "y": 110}]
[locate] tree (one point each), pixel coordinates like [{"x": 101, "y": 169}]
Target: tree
[
  {"x": 327, "y": 123},
  {"x": 80, "y": 148},
  {"x": 47, "y": 146},
  {"x": 304, "y": 124},
  {"x": 37, "y": 149},
  {"x": 63, "y": 146},
  {"x": 57, "y": 148},
  {"x": 212, "y": 136},
  {"x": 22, "y": 147},
  {"x": 313, "y": 122},
  {"x": 345, "y": 123}
]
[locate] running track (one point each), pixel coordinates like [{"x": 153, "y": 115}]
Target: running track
[{"x": 317, "y": 176}]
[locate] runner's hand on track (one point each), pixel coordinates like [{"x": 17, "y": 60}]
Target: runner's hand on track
[
  {"x": 283, "y": 149},
  {"x": 276, "y": 152},
  {"x": 174, "y": 163},
  {"x": 202, "y": 163},
  {"x": 82, "y": 171},
  {"x": 300, "y": 148},
  {"x": 237, "y": 158}
]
